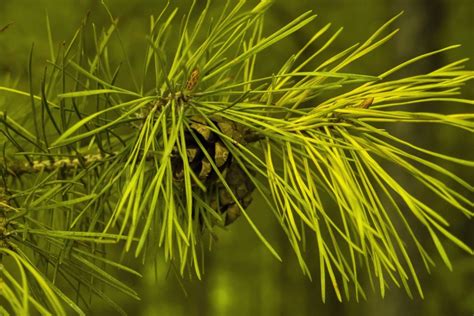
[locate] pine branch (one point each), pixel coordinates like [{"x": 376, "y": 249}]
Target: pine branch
[{"x": 166, "y": 162}]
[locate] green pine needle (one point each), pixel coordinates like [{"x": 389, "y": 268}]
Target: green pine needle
[{"x": 98, "y": 167}]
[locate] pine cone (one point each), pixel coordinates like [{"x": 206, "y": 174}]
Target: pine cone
[{"x": 236, "y": 179}]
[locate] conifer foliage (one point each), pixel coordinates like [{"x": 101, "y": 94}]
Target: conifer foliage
[{"x": 159, "y": 163}]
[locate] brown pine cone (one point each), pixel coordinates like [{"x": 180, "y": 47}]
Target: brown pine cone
[{"x": 236, "y": 178}]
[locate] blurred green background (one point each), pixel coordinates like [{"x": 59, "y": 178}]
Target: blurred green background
[{"x": 241, "y": 277}]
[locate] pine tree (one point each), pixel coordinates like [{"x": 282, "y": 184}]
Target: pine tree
[{"x": 159, "y": 163}]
